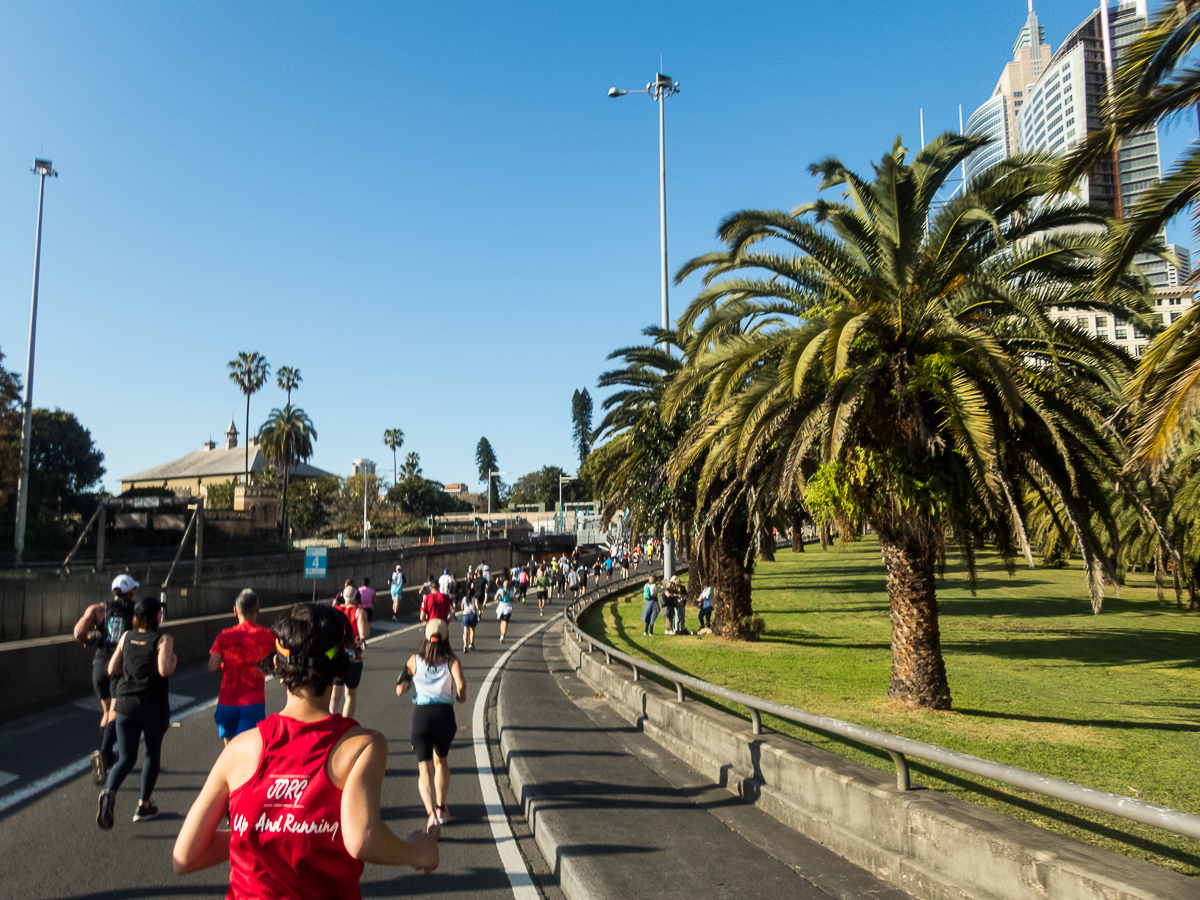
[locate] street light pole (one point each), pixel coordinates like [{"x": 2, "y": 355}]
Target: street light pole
[
  {"x": 491, "y": 475},
  {"x": 660, "y": 89},
  {"x": 43, "y": 167}
]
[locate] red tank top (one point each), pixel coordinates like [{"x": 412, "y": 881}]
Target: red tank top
[{"x": 287, "y": 841}]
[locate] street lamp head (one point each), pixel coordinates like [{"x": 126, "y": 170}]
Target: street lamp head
[
  {"x": 616, "y": 92},
  {"x": 43, "y": 167}
]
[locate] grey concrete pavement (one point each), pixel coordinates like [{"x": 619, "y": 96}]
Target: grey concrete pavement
[{"x": 618, "y": 817}]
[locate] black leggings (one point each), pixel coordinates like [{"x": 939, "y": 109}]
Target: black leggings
[{"x": 152, "y": 723}]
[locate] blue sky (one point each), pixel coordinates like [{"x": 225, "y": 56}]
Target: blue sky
[{"x": 432, "y": 210}]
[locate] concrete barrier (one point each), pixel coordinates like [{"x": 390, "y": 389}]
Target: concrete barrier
[
  {"x": 39, "y": 672},
  {"x": 932, "y": 845}
]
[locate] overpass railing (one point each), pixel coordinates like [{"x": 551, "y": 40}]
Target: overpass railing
[{"x": 898, "y": 748}]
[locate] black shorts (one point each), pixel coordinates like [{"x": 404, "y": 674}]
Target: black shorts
[
  {"x": 433, "y": 728},
  {"x": 541, "y": 593},
  {"x": 370, "y": 611},
  {"x": 352, "y": 677},
  {"x": 102, "y": 684}
]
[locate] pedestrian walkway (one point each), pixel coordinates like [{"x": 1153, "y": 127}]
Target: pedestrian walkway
[{"x": 619, "y": 817}]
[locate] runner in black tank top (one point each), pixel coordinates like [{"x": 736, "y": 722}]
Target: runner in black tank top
[{"x": 145, "y": 658}]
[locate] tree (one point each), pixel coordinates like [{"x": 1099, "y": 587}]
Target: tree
[
  {"x": 911, "y": 351},
  {"x": 10, "y": 434},
  {"x": 288, "y": 379},
  {"x": 286, "y": 439},
  {"x": 581, "y": 423},
  {"x": 249, "y": 372},
  {"x": 393, "y": 439},
  {"x": 485, "y": 460},
  {"x": 537, "y": 487},
  {"x": 312, "y": 504},
  {"x": 421, "y": 498},
  {"x": 412, "y": 466}
]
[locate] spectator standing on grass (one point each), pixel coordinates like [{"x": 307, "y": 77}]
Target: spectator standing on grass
[
  {"x": 396, "y": 588},
  {"x": 678, "y": 595},
  {"x": 235, "y": 654},
  {"x": 145, "y": 659},
  {"x": 650, "y": 606},
  {"x": 366, "y": 595},
  {"x": 706, "y": 608},
  {"x": 339, "y": 765}
]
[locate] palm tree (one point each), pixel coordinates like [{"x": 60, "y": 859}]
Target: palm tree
[
  {"x": 412, "y": 466},
  {"x": 288, "y": 379},
  {"x": 249, "y": 372},
  {"x": 393, "y": 439},
  {"x": 287, "y": 438},
  {"x": 911, "y": 353}
]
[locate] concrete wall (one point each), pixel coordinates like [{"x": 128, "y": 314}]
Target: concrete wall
[
  {"x": 41, "y": 604},
  {"x": 931, "y": 845}
]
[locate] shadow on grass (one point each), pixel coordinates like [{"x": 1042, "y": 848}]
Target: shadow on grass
[
  {"x": 1110, "y": 647},
  {"x": 1122, "y": 724}
]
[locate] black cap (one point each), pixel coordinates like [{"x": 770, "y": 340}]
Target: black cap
[{"x": 147, "y": 607}]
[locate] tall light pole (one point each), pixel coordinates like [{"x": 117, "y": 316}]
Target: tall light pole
[
  {"x": 43, "y": 167},
  {"x": 366, "y": 468},
  {"x": 561, "y": 512},
  {"x": 660, "y": 89}
]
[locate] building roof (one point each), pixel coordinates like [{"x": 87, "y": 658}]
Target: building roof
[{"x": 217, "y": 462}]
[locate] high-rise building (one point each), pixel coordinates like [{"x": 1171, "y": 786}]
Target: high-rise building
[
  {"x": 1051, "y": 103},
  {"x": 997, "y": 117}
]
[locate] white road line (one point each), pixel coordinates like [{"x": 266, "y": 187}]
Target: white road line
[
  {"x": 82, "y": 765},
  {"x": 7, "y": 778},
  {"x": 506, "y": 844}
]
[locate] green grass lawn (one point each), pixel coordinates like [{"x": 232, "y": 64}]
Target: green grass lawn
[{"x": 1109, "y": 701}]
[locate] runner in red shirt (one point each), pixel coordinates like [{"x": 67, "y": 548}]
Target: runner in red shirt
[
  {"x": 236, "y": 654},
  {"x": 302, "y": 790},
  {"x": 437, "y": 606}
]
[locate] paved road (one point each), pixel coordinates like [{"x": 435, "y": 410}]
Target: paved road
[{"x": 52, "y": 848}]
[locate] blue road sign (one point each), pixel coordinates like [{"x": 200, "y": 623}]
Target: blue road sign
[{"x": 314, "y": 561}]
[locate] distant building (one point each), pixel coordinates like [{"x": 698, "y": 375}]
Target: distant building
[
  {"x": 210, "y": 465},
  {"x": 455, "y": 488}
]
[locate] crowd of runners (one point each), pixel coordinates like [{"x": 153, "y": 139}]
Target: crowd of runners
[{"x": 286, "y": 785}]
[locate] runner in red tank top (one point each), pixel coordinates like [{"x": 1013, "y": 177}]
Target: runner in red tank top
[{"x": 302, "y": 790}]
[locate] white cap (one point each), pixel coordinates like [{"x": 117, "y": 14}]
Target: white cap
[{"x": 124, "y": 584}]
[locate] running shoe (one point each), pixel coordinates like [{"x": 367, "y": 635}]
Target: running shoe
[
  {"x": 145, "y": 813},
  {"x": 99, "y": 767},
  {"x": 433, "y": 826},
  {"x": 472, "y": 647},
  {"x": 104, "y": 809},
  {"x": 443, "y": 815}
]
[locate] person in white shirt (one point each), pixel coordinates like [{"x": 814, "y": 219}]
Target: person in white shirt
[{"x": 446, "y": 582}]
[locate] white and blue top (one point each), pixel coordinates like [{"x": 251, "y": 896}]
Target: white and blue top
[{"x": 433, "y": 683}]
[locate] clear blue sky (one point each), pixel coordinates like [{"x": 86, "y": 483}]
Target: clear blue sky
[{"x": 434, "y": 211}]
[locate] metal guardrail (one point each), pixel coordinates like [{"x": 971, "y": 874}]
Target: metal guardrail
[{"x": 898, "y": 748}]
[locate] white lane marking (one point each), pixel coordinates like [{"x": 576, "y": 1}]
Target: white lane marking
[
  {"x": 82, "y": 765},
  {"x": 178, "y": 701},
  {"x": 7, "y": 778},
  {"x": 506, "y": 844},
  {"x": 70, "y": 770}
]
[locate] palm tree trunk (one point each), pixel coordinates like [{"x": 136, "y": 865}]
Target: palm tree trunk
[
  {"x": 733, "y": 602},
  {"x": 766, "y": 544},
  {"x": 1158, "y": 575},
  {"x": 697, "y": 575},
  {"x": 287, "y": 470},
  {"x": 825, "y": 537},
  {"x": 797, "y": 536},
  {"x": 918, "y": 670},
  {"x": 246, "y": 438}
]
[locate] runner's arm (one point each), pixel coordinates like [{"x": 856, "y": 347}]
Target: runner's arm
[
  {"x": 364, "y": 624},
  {"x": 405, "y": 681},
  {"x": 118, "y": 657},
  {"x": 366, "y": 836},
  {"x": 214, "y": 662},
  {"x": 460, "y": 682},
  {"x": 88, "y": 621},
  {"x": 167, "y": 659}
]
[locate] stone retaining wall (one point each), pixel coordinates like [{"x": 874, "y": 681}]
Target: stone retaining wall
[{"x": 932, "y": 845}]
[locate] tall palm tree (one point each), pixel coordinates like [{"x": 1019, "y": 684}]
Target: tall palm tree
[
  {"x": 249, "y": 372},
  {"x": 287, "y": 438},
  {"x": 412, "y": 465},
  {"x": 393, "y": 439},
  {"x": 288, "y": 379},
  {"x": 911, "y": 350}
]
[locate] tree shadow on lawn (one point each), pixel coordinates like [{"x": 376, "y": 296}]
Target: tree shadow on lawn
[
  {"x": 1109, "y": 647},
  {"x": 1122, "y": 724}
]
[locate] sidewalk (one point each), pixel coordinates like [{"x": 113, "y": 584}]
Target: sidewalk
[{"x": 618, "y": 817}]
